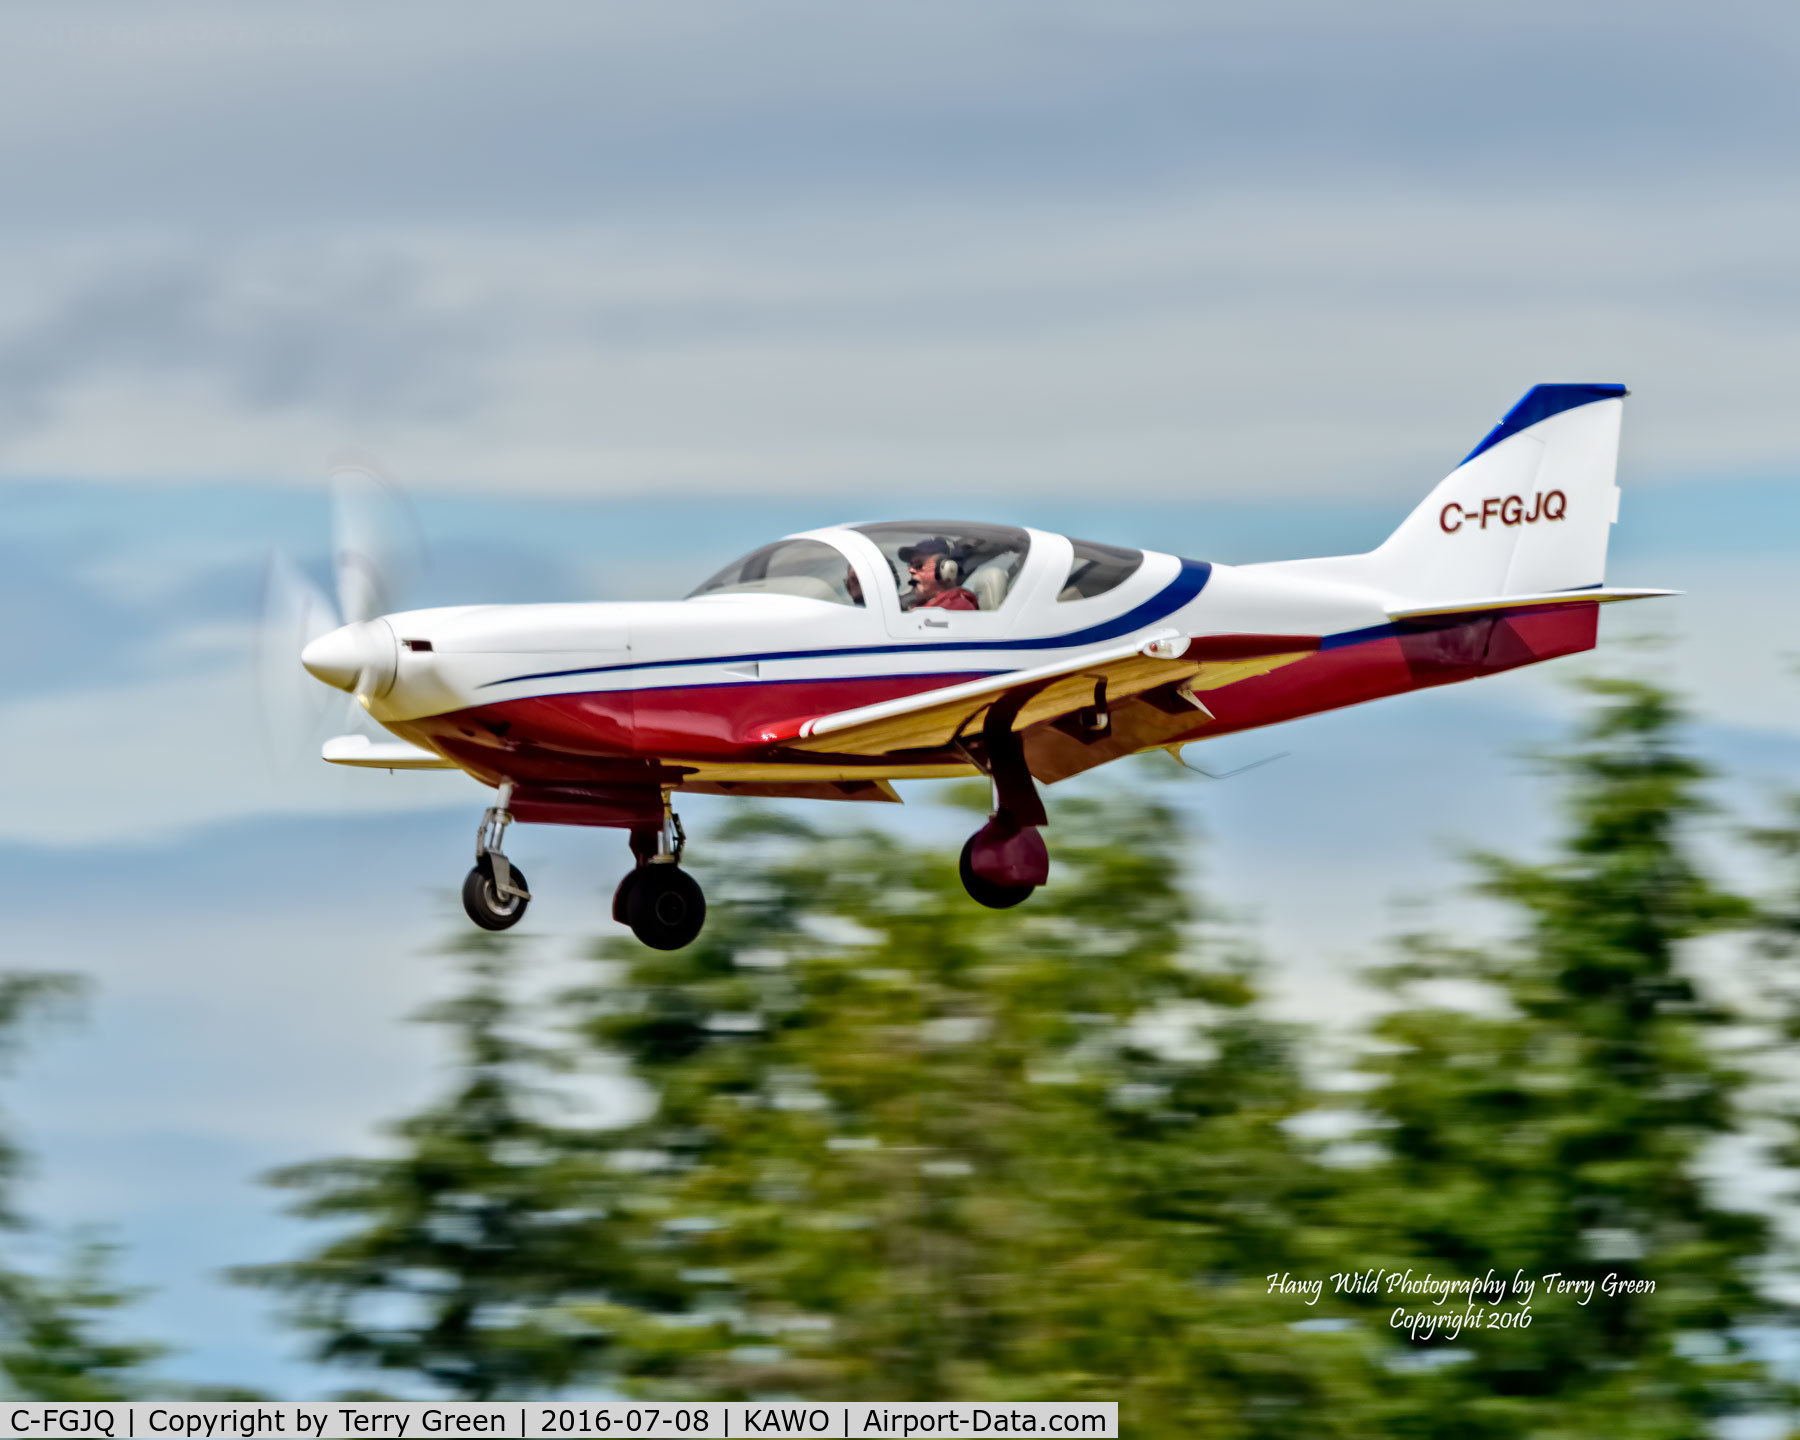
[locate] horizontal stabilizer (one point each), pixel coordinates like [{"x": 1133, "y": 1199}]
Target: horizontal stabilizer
[
  {"x": 1601, "y": 595},
  {"x": 381, "y": 754}
]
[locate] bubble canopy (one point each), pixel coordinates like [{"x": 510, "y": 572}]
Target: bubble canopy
[
  {"x": 810, "y": 569},
  {"x": 987, "y": 557},
  {"x": 1095, "y": 569}
]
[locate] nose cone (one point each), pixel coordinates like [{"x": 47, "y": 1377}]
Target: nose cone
[
  {"x": 335, "y": 658},
  {"x": 355, "y": 657}
]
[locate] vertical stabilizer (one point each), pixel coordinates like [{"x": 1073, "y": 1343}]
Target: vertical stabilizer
[{"x": 1529, "y": 511}]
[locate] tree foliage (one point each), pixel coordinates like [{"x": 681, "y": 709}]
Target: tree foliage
[
  {"x": 1560, "y": 1123},
  {"x": 905, "y": 1147},
  {"x": 55, "y": 1345},
  {"x": 27, "y": 997},
  {"x": 55, "y": 1340},
  {"x": 454, "y": 1251},
  {"x": 908, "y": 1147}
]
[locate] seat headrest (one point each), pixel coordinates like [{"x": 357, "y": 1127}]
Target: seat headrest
[{"x": 988, "y": 585}]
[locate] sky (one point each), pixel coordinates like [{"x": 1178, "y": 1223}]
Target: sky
[{"x": 617, "y": 292}]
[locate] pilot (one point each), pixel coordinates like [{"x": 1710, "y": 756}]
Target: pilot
[{"x": 935, "y": 571}]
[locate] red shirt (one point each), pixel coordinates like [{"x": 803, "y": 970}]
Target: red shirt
[{"x": 957, "y": 599}]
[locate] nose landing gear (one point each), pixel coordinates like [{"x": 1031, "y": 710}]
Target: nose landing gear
[
  {"x": 660, "y": 901},
  {"x": 494, "y": 893}
]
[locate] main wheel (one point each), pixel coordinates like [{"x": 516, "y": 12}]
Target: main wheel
[
  {"x": 484, "y": 903},
  {"x": 622, "y": 896},
  {"x": 986, "y": 892},
  {"x": 664, "y": 907}
]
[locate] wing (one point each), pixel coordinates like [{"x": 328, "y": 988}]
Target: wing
[{"x": 1046, "y": 693}]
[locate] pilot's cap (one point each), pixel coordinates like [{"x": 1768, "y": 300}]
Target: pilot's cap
[{"x": 936, "y": 545}]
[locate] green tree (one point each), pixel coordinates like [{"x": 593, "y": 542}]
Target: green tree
[
  {"x": 1560, "y": 1125},
  {"x": 908, "y": 1147},
  {"x": 455, "y": 1250},
  {"x": 26, "y": 998},
  {"x": 903, "y": 1146},
  {"x": 54, "y": 1340},
  {"x": 54, "y": 1344}
]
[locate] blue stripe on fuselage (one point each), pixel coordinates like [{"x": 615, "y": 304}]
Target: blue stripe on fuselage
[
  {"x": 1345, "y": 638},
  {"x": 1188, "y": 582}
]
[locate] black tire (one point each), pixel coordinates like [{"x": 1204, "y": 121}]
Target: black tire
[
  {"x": 664, "y": 907},
  {"x": 622, "y": 896},
  {"x": 986, "y": 892},
  {"x": 485, "y": 905}
]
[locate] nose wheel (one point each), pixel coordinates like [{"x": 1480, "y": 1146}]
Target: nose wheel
[
  {"x": 660, "y": 901},
  {"x": 494, "y": 892},
  {"x": 487, "y": 904}
]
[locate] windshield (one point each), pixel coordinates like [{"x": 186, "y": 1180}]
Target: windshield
[
  {"x": 810, "y": 569},
  {"x": 949, "y": 564}
]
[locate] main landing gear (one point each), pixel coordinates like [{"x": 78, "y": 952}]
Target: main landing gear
[
  {"x": 1006, "y": 859},
  {"x": 1003, "y": 862},
  {"x": 494, "y": 893},
  {"x": 659, "y": 900}
]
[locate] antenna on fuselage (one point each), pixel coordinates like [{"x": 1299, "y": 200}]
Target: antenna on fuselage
[{"x": 1174, "y": 752}]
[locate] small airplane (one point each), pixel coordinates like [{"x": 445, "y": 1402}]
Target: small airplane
[{"x": 834, "y": 662}]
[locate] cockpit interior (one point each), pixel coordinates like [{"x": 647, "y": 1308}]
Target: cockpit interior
[{"x": 982, "y": 561}]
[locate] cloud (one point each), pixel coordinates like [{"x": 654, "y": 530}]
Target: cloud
[
  {"x": 349, "y": 336},
  {"x": 256, "y": 112},
  {"x": 1332, "y": 343},
  {"x": 1159, "y": 248}
]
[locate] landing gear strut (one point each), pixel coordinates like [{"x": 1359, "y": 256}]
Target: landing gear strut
[
  {"x": 494, "y": 893},
  {"x": 659, "y": 900},
  {"x": 1006, "y": 859}
]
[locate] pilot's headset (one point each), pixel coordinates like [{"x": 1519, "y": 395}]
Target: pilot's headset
[{"x": 948, "y": 570}]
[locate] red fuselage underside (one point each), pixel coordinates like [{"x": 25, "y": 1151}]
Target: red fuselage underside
[{"x": 620, "y": 746}]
